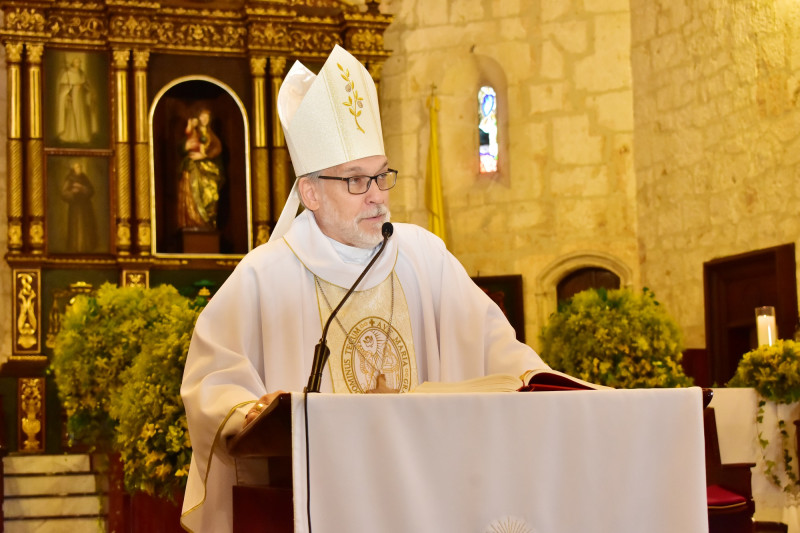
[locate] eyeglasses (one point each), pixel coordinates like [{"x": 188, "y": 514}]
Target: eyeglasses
[{"x": 360, "y": 184}]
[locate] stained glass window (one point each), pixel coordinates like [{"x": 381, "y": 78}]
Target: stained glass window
[{"x": 487, "y": 129}]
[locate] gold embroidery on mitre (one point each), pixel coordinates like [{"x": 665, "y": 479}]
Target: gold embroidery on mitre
[
  {"x": 354, "y": 102},
  {"x": 371, "y": 345}
]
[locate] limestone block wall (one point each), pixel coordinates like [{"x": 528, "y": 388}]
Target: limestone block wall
[
  {"x": 567, "y": 187},
  {"x": 717, "y": 135}
]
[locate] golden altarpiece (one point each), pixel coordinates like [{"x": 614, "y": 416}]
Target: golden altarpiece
[{"x": 143, "y": 148}]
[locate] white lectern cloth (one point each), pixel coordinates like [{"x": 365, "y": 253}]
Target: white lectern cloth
[{"x": 618, "y": 461}]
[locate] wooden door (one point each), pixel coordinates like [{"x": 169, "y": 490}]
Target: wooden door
[{"x": 734, "y": 287}]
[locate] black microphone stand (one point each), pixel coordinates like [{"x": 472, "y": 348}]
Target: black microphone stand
[{"x": 321, "y": 351}]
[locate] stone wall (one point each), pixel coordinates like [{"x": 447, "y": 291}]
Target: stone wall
[
  {"x": 566, "y": 187},
  {"x": 717, "y": 139}
]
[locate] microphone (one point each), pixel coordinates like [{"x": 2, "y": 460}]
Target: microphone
[{"x": 321, "y": 351}]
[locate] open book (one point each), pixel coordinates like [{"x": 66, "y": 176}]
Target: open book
[{"x": 537, "y": 380}]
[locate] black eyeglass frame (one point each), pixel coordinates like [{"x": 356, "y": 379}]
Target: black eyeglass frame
[{"x": 369, "y": 183}]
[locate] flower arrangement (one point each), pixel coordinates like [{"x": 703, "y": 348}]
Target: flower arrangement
[
  {"x": 99, "y": 337},
  {"x": 617, "y": 338},
  {"x": 152, "y": 433},
  {"x": 118, "y": 363},
  {"x": 774, "y": 372}
]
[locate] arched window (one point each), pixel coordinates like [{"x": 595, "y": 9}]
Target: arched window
[
  {"x": 487, "y": 129},
  {"x": 586, "y": 278}
]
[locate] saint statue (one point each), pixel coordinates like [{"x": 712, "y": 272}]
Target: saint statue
[
  {"x": 76, "y": 106},
  {"x": 201, "y": 175}
]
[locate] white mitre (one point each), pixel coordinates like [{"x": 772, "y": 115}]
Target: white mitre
[{"x": 327, "y": 119}]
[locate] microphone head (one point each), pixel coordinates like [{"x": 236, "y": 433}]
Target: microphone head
[{"x": 387, "y": 229}]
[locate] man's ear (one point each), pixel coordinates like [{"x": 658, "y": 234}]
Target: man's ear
[{"x": 309, "y": 192}]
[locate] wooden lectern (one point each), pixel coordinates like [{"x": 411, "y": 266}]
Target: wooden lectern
[{"x": 266, "y": 508}]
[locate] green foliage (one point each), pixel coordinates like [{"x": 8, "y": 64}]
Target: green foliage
[
  {"x": 774, "y": 371},
  {"x": 152, "y": 434},
  {"x": 118, "y": 363},
  {"x": 617, "y": 338}
]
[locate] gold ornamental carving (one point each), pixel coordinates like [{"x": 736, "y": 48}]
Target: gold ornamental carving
[
  {"x": 76, "y": 27},
  {"x": 124, "y": 235},
  {"x": 14, "y": 52},
  {"x": 36, "y": 235},
  {"x": 135, "y": 278},
  {"x": 269, "y": 35},
  {"x": 318, "y": 42},
  {"x": 277, "y": 66},
  {"x": 26, "y": 311},
  {"x": 31, "y": 406},
  {"x": 132, "y": 28},
  {"x": 258, "y": 66},
  {"x": 201, "y": 36},
  {"x": 14, "y": 236},
  {"x": 121, "y": 58},
  {"x": 23, "y": 20},
  {"x": 34, "y": 52}
]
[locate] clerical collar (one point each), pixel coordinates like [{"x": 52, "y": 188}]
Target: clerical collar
[{"x": 351, "y": 254}]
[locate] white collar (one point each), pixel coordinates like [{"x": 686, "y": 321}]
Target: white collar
[
  {"x": 319, "y": 254},
  {"x": 352, "y": 254}
]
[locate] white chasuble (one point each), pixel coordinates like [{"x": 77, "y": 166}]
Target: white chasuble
[{"x": 370, "y": 338}]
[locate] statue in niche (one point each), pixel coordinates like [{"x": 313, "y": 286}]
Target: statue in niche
[
  {"x": 76, "y": 104},
  {"x": 201, "y": 175},
  {"x": 77, "y": 191}
]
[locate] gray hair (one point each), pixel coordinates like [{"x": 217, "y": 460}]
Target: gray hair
[{"x": 313, "y": 176}]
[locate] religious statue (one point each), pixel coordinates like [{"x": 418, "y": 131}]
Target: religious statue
[
  {"x": 201, "y": 175},
  {"x": 77, "y": 191},
  {"x": 76, "y": 106}
]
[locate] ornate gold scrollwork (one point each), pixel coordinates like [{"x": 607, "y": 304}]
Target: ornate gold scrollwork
[
  {"x": 77, "y": 27},
  {"x": 132, "y": 28},
  {"x": 203, "y": 36},
  {"x": 269, "y": 35},
  {"x": 25, "y": 20},
  {"x": 27, "y": 315},
  {"x": 31, "y": 406},
  {"x": 319, "y": 41}
]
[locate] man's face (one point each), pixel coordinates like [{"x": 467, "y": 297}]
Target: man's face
[{"x": 352, "y": 219}]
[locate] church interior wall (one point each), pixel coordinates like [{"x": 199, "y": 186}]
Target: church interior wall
[
  {"x": 567, "y": 184},
  {"x": 658, "y": 135},
  {"x": 717, "y": 137}
]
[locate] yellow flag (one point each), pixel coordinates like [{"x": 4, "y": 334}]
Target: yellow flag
[{"x": 433, "y": 179}]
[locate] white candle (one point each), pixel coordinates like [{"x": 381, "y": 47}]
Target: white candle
[{"x": 767, "y": 332}]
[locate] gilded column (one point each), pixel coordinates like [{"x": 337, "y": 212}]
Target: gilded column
[
  {"x": 260, "y": 155},
  {"x": 14, "y": 146},
  {"x": 34, "y": 168},
  {"x": 141, "y": 150},
  {"x": 280, "y": 154},
  {"x": 122, "y": 152},
  {"x": 375, "y": 70}
]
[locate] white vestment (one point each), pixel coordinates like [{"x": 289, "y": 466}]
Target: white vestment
[{"x": 258, "y": 333}]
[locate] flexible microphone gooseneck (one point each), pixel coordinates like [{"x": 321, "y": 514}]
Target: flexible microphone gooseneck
[{"x": 321, "y": 351}]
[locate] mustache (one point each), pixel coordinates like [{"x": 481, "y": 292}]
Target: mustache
[{"x": 379, "y": 210}]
